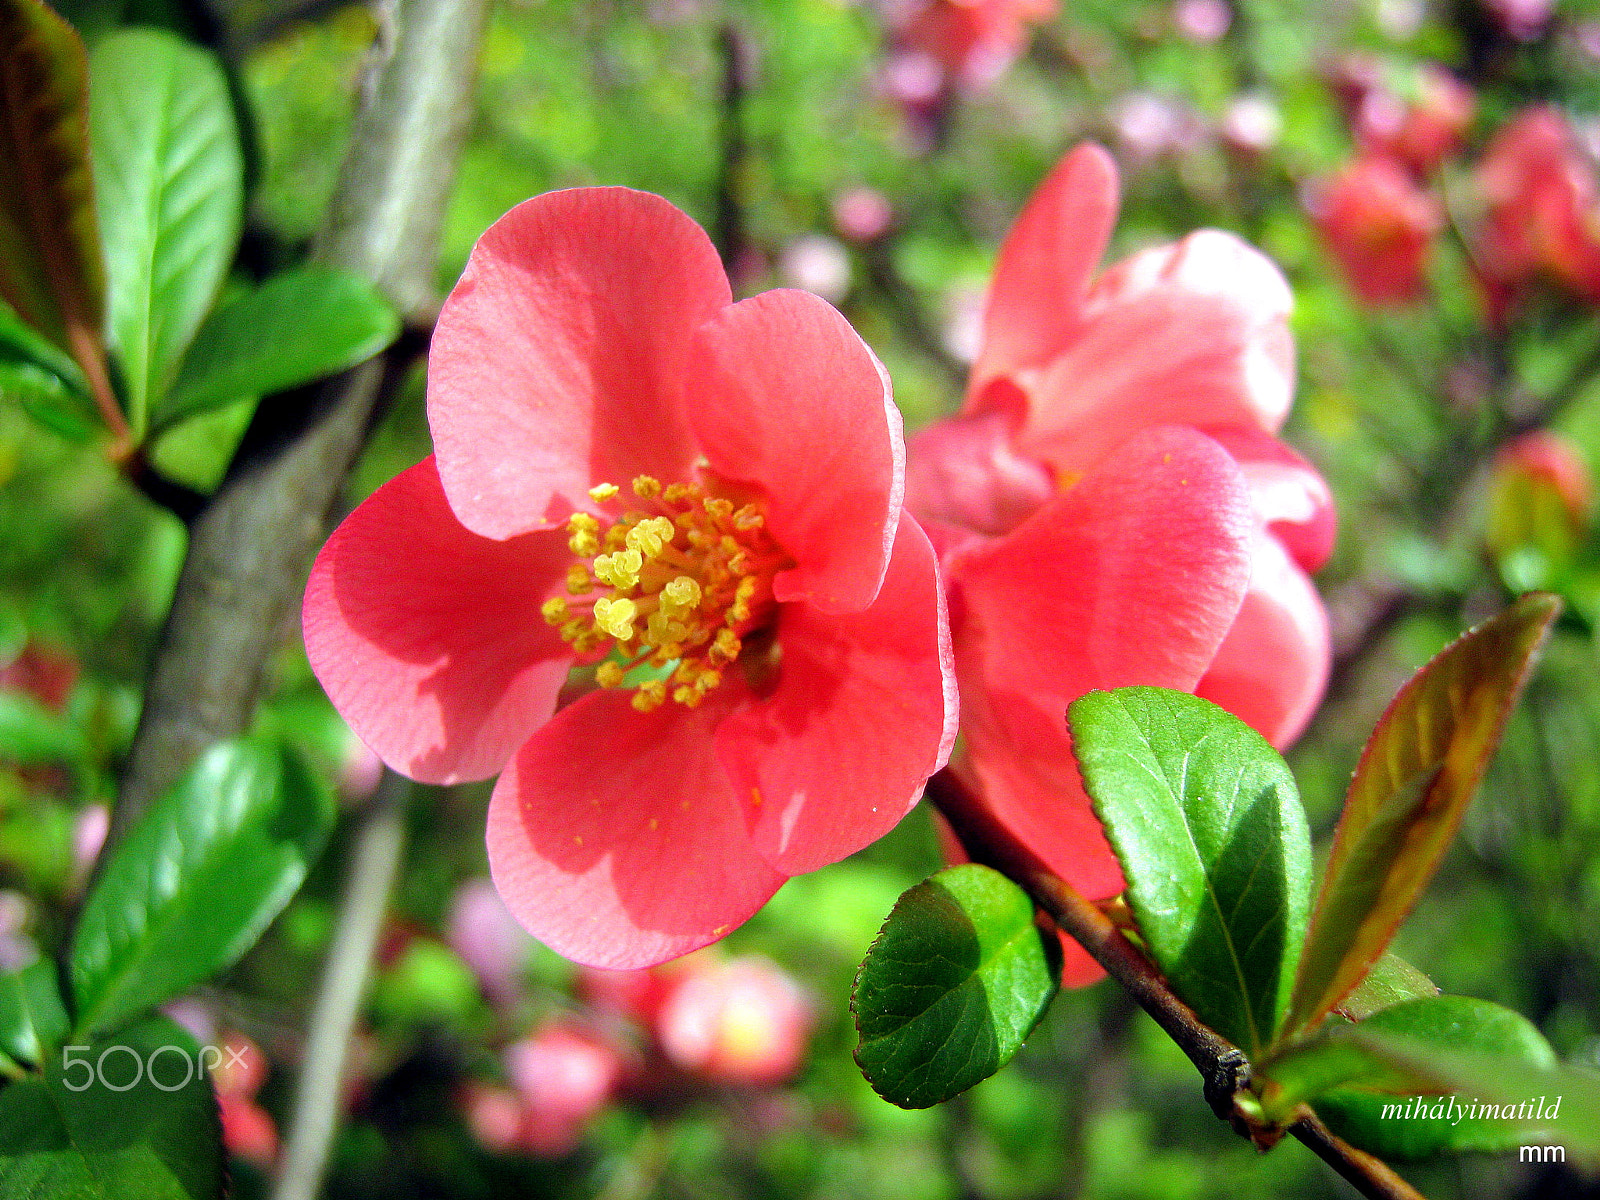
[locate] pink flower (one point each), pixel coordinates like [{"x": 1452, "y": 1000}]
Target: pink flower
[
  {"x": 742, "y": 1022},
  {"x": 1542, "y": 208},
  {"x": 634, "y": 474},
  {"x": 1541, "y": 498},
  {"x": 564, "y": 1074},
  {"x": 1421, "y": 130},
  {"x": 1112, "y": 508},
  {"x": 973, "y": 40},
  {"x": 1379, "y": 226}
]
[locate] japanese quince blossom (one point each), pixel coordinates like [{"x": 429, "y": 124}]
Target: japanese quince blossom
[
  {"x": 697, "y": 500},
  {"x": 1111, "y": 507}
]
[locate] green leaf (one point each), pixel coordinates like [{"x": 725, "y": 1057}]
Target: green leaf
[
  {"x": 171, "y": 182},
  {"x": 298, "y": 326},
  {"x": 1339, "y": 1056},
  {"x": 1411, "y": 1081},
  {"x": 1541, "y": 1101},
  {"x": 32, "y": 1020},
  {"x": 20, "y": 343},
  {"x": 1392, "y": 980},
  {"x": 956, "y": 980},
  {"x": 197, "y": 880},
  {"x": 46, "y": 383},
  {"x": 1206, "y": 822},
  {"x": 1419, "y": 770},
  {"x": 50, "y": 264},
  {"x": 30, "y": 733},
  {"x": 92, "y": 1129}
]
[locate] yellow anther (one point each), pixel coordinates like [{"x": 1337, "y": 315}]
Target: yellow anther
[
  {"x": 688, "y": 697},
  {"x": 579, "y": 580},
  {"x": 725, "y": 649},
  {"x": 646, "y": 486},
  {"x": 620, "y": 570},
  {"x": 616, "y": 617},
  {"x": 739, "y": 564},
  {"x": 585, "y": 531},
  {"x": 649, "y": 536},
  {"x": 601, "y": 492},
  {"x": 555, "y": 610},
  {"x": 747, "y": 518},
  {"x": 574, "y": 629},
  {"x": 609, "y": 674},
  {"x": 709, "y": 678},
  {"x": 680, "y": 596},
  {"x": 663, "y": 629},
  {"x": 719, "y": 508},
  {"x": 617, "y": 537},
  {"x": 650, "y": 696},
  {"x": 677, "y": 493}
]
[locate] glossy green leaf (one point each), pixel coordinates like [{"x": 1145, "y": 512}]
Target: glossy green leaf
[
  {"x": 1392, "y": 980},
  {"x": 32, "y": 1020},
  {"x": 46, "y": 399},
  {"x": 1338, "y": 1056},
  {"x": 129, "y": 1117},
  {"x": 1413, "y": 1081},
  {"x": 50, "y": 263},
  {"x": 1541, "y": 1102},
  {"x": 1206, "y": 822},
  {"x": 197, "y": 880},
  {"x": 47, "y": 384},
  {"x": 1419, "y": 770},
  {"x": 171, "y": 184},
  {"x": 298, "y": 326},
  {"x": 958, "y": 977}
]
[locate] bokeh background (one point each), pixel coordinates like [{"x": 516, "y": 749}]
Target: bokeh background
[{"x": 876, "y": 153}]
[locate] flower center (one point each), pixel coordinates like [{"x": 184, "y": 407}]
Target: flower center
[{"x": 678, "y": 588}]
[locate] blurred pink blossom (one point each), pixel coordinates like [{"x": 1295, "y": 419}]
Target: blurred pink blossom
[
  {"x": 741, "y": 1022},
  {"x": 1379, "y": 226},
  {"x": 481, "y": 929},
  {"x": 861, "y": 214},
  {"x": 564, "y": 1073},
  {"x": 817, "y": 263},
  {"x": 1202, "y": 20}
]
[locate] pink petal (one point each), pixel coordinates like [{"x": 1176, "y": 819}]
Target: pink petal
[
  {"x": 1290, "y": 498},
  {"x": 428, "y": 637},
  {"x": 1134, "y": 576},
  {"x": 1044, "y": 267},
  {"x": 962, "y": 471},
  {"x": 1195, "y": 333},
  {"x": 1019, "y": 761},
  {"x": 1078, "y": 968},
  {"x": 864, "y": 712},
  {"x": 558, "y": 360},
  {"x": 1273, "y": 666},
  {"x": 616, "y": 839},
  {"x": 787, "y": 396}
]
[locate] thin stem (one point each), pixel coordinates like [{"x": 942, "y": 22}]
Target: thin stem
[
  {"x": 1222, "y": 1065},
  {"x": 374, "y": 867}
]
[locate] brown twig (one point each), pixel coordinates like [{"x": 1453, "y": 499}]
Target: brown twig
[
  {"x": 251, "y": 546},
  {"x": 728, "y": 232},
  {"x": 1222, "y": 1065}
]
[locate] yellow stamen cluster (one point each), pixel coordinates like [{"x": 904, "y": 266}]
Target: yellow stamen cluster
[{"x": 695, "y": 572}]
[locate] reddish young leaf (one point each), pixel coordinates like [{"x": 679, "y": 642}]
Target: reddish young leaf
[
  {"x": 50, "y": 264},
  {"x": 1419, "y": 769}
]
